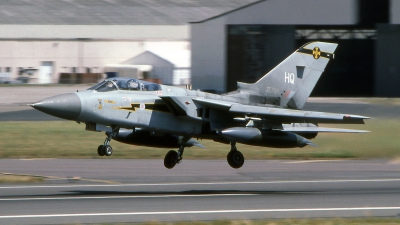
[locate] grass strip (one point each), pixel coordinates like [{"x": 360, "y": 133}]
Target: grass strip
[
  {"x": 19, "y": 179},
  {"x": 66, "y": 139}
]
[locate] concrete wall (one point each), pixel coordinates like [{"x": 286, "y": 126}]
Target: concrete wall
[
  {"x": 292, "y": 12},
  {"x": 66, "y": 54},
  {"x": 208, "y": 55},
  {"x": 86, "y": 46}
]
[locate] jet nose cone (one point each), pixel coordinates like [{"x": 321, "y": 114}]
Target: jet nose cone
[{"x": 66, "y": 106}]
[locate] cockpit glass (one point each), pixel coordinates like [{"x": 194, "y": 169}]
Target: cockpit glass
[
  {"x": 147, "y": 86},
  {"x": 133, "y": 85},
  {"x": 106, "y": 86},
  {"x": 126, "y": 84},
  {"x": 121, "y": 84},
  {"x": 96, "y": 85}
]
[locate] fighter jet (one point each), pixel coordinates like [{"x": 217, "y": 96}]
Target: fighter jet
[{"x": 266, "y": 113}]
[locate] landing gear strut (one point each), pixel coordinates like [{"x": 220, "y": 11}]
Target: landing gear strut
[
  {"x": 235, "y": 158},
  {"x": 106, "y": 149},
  {"x": 174, "y": 157}
]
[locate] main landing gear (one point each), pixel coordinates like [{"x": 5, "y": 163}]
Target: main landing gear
[
  {"x": 235, "y": 158},
  {"x": 174, "y": 157},
  {"x": 106, "y": 149}
]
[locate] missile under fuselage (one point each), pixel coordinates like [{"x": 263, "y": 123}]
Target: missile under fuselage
[{"x": 266, "y": 138}]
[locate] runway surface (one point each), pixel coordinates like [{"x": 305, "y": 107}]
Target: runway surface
[{"x": 114, "y": 190}]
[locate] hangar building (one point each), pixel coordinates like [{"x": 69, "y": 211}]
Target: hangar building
[
  {"x": 245, "y": 43},
  {"x": 226, "y": 41},
  {"x": 41, "y": 40}
]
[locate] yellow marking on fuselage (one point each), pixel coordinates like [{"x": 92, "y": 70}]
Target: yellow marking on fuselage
[{"x": 148, "y": 106}]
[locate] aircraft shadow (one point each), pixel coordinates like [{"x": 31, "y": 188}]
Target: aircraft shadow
[
  {"x": 189, "y": 192},
  {"x": 333, "y": 191},
  {"x": 235, "y": 192}
]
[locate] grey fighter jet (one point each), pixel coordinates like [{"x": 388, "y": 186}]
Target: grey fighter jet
[{"x": 266, "y": 113}]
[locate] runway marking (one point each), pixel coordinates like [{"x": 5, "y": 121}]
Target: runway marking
[
  {"x": 33, "y": 159},
  {"x": 126, "y": 196},
  {"x": 60, "y": 178},
  {"x": 314, "y": 161},
  {"x": 204, "y": 183},
  {"x": 199, "y": 212}
]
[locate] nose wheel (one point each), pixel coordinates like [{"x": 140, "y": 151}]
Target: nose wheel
[
  {"x": 174, "y": 157},
  {"x": 100, "y": 151},
  {"x": 106, "y": 149}
]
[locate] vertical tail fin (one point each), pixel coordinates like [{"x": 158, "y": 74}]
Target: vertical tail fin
[{"x": 290, "y": 83}]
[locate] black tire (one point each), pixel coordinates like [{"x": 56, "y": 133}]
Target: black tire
[
  {"x": 100, "y": 150},
  {"x": 235, "y": 159},
  {"x": 229, "y": 157},
  {"x": 170, "y": 159},
  {"x": 107, "y": 150}
]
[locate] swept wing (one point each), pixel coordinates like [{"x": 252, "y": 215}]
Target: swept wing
[{"x": 280, "y": 114}]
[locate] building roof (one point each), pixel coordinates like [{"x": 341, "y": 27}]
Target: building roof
[
  {"x": 113, "y": 12},
  {"x": 149, "y": 58}
]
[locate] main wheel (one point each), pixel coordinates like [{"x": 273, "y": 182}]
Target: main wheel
[
  {"x": 235, "y": 159},
  {"x": 170, "y": 159},
  {"x": 107, "y": 150},
  {"x": 229, "y": 157},
  {"x": 100, "y": 150}
]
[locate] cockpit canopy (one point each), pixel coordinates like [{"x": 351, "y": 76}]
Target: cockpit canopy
[{"x": 125, "y": 84}]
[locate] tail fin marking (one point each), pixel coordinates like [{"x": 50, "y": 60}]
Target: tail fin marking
[{"x": 293, "y": 80}]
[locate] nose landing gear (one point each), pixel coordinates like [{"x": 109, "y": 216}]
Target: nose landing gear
[
  {"x": 174, "y": 157},
  {"x": 106, "y": 149}
]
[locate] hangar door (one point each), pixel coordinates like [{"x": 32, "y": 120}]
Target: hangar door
[
  {"x": 351, "y": 73},
  {"x": 46, "y": 73},
  {"x": 253, "y": 50}
]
